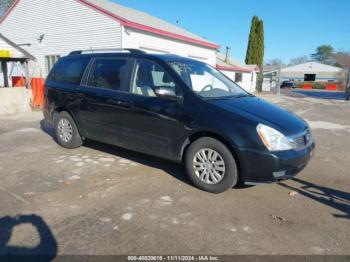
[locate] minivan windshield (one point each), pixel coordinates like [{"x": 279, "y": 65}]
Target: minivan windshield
[{"x": 206, "y": 81}]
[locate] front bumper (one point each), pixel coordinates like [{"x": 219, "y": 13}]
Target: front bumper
[{"x": 269, "y": 167}]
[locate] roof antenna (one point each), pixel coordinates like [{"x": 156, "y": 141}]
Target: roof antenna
[{"x": 92, "y": 51}]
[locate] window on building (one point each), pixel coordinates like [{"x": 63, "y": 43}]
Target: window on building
[
  {"x": 107, "y": 73},
  {"x": 310, "y": 77},
  {"x": 69, "y": 70},
  {"x": 238, "y": 77},
  {"x": 50, "y": 61},
  {"x": 150, "y": 76}
]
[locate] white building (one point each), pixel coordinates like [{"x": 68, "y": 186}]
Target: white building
[
  {"x": 12, "y": 59},
  {"x": 51, "y": 29},
  {"x": 311, "y": 71},
  {"x": 244, "y": 75}
]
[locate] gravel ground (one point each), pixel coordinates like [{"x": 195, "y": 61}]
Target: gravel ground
[{"x": 100, "y": 199}]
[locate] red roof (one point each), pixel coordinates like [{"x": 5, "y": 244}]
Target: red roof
[{"x": 232, "y": 68}]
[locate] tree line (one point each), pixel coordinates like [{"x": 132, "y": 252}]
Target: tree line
[{"x": 324, "y": 54}]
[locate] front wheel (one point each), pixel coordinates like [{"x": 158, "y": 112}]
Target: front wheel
[{"x": 210, "y": 165}]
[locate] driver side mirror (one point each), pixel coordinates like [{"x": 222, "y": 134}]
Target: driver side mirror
[{"x": 167, "y": 93}]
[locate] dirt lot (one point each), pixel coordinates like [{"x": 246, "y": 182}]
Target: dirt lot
[{"x": 100, "y": 199}]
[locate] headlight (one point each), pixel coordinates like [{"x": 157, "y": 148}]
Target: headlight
[{"x": 273, "y": 139}]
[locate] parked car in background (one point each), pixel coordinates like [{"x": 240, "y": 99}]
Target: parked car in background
[
  {"x": 287, "y": 84},
  {"x": 178, "y": 109}
]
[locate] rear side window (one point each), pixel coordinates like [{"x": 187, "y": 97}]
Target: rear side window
[
  {"x": 107, "y": 73},
  {"x": 69, "y": 71}
]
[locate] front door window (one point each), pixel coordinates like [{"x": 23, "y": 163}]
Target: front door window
[{"x": 149, "y": 77}]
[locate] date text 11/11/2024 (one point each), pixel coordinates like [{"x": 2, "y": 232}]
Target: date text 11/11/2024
[{"x": 173, "y": 258}]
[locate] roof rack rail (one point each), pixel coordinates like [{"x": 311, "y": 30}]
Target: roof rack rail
[{"x": 89, "y": 51}]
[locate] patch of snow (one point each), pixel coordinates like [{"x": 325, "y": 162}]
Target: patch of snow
[{"x": 127, "y": 216}]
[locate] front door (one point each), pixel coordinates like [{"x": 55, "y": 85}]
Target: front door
[{"x": 150, "y": 125}]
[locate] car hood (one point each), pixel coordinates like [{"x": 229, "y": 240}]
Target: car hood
[{"x": 263, "y": 112}]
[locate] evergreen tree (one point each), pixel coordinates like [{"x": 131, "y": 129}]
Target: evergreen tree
[
  {"x": 260, "y": 54},
  {"x": 261, "y": 45},
  {"x": 256, "y": 47},
  {"x": 252, "y": 42},
  {"x": 324, "y": 54}
]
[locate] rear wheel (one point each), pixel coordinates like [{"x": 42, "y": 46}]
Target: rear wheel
[
  {"x": 66, "y": 131},
  {"x": 210, "y": 165}
]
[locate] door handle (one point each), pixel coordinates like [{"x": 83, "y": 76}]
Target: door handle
[{"x": 120, "y": 103}]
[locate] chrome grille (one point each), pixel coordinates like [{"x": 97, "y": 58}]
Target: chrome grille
[
  {"x": 302, "y": 141},
  {"x": 299, "y": 142}
]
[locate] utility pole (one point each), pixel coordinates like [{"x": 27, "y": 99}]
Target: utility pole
[
  {"x": 279, "y": 80},
  {"x": 227, "y": 57},
  {"x": 5, "y": 73}
]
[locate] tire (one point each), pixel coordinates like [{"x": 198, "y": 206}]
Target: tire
[
  {"x": 229, "y": 177},
  {"x": 74, "y": 140}
]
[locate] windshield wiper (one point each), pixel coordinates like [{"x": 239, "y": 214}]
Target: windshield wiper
[
  {"x": 236, "y": 96},
  {"x": 226, "y": 97},
  {"x": 242, "y": 95}
]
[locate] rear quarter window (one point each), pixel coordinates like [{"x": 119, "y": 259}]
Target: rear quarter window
[{"x": 69, "y": 70}]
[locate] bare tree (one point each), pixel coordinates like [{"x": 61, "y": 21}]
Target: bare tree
[
  {"x": 5, "y": 5},
  {"x": 342, "y": 78},
  {"x": 299, "y": 60},
  {"x": 342, "y": 59},
  {"x": 274, "y": 62}
]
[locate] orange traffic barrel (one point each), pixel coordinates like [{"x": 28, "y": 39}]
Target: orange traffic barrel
[
  {"x": 307, "y": 86},
  {"x": 331, "y": 87},
  {"x": 38, "y": 92},
  {"x": 18, "y": 81}
]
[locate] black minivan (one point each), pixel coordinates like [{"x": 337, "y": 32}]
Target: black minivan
[{"x": 179, "y": 109}]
